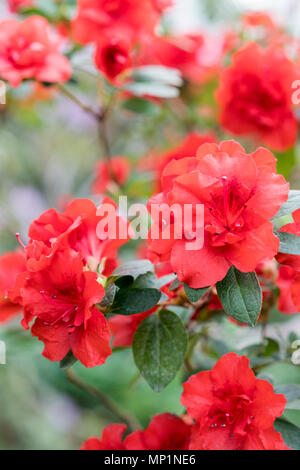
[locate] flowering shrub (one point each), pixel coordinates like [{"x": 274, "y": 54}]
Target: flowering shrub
[{"x": 150, "y": 243}]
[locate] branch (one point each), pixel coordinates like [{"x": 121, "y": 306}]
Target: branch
[
  {"x": 105, "y": 401},
  {"x": 92, "y": 112}
]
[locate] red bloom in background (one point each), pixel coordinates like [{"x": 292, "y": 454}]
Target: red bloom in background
[
  {"x": 289, "y": 274},
  {"x": 30, "y": 49},
  {"x": 233, "y": 410},
  {"x": 240, "y": 193},
  {"x": 158, "y": 161},
  {"x": 117, "y": 170},
  {"x": 111, "y": 439},
  {"x": 123, "y": 328},
  {"x": 61, "y": 297},
  {"x": 255, "y": 96},
  {"x": 195, "y": 55},
  {"x": 75, "y": 228},
  {"x": 165, "y": 432},
  {"x": 259, "y": 18},
  {"x": 161, "y": 5},
  {"x": 11, "y": 265},
  {"x": 113, "y": 57},
  {"x": 129, "y": 18},
  {"x": 16, "y": 5}
]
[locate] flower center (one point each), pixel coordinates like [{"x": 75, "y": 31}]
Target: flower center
[
  {"x": 231, "y": 414},
  {"x": 226, "y": 212}
]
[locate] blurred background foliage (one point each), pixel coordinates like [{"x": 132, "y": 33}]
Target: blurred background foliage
[{"x": 48, "y": 150}]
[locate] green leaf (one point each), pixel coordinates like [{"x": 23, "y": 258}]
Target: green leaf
[
  {"x": 134, "y": 268},
  {"x": 241, "y": 296},
  {"x": 175, "y": 284},
  {"x": 289, "y": 243},
  {"x": 290, "y": 391},
  {"x": 289, "y": 432},
  {"x": 292, "y": 204},
  {"x": 158, "y": 90},
  {"x": 140, "y": 106},
  {"x": 163, "y": 281},
  {"x": 194, "y": 294},
  {"x": 158, "y": 74},
  {"x": 135, "y": 296},
  {"x": 110, "y": 292},
  {"x": 146, "y": 280},
  {"x": 286, "y": 161},
  {"x": 159, "y": 347},
  {"x": 132, "y": 301},
  {"x": 68, "y": 361}
]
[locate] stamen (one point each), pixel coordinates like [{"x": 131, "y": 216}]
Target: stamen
[{"x": 20, "y": 241}]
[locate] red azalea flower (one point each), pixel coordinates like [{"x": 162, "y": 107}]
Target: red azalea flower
[
  {"x": 289, "y": 274},
  {"x": 113, "y": 57},
  {"x": 259, "y": 18},
  {"x": 240, "y": 193},
  {"x": 117, "y": 170},
  {"x": 158, "y": 161},
  {"x": 233, "y": 410},
  {"x": 30, "y": 49},
  {"x": 11, "y": 265},
  {"x": 61, "y": 298},
  {"x": 16, "y": 5},
  {"x": 111, "y": 439},
  {"x": 75, "y": 228},
  {"x": 129, "y": 18},
  {"x": 255, "y": 96},
  {"x": 181, "y": 52},
  {"x": 123, "y": 328},
  {"x": 165, "y": 432}
]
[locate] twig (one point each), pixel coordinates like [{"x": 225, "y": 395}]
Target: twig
[
  {"x": 105, "y": 401},
  {"x": 97, "y": 115}
]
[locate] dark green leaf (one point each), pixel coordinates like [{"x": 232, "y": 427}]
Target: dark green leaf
[
  {"x": 290, "y": 433},
  {"x": 134, "y": 268},
  {"x": 68, "y": 361},
  {"x": 159, "y": 347},
  {"x": 241, "y": 296},
  {"x": 291, "y": 205},
  {"x": 194, "y": 294},
  {"x": 175, "y": 284},
  {"x": 109, "y": 296},
  {"x": 131, "y": 301},
  {"x": 146, "y": 280},
  {"x": 289, "y": 243}
]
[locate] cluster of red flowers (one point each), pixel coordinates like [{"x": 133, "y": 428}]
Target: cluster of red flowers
[
  {"x": 58, "y": 282},
  {"x": 228, "y": 409},
  {"x": 125, "y": 35},
  {"x": 240, "y": 194}
]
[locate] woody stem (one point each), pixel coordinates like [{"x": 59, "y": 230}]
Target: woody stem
[
  {"x": 105, "y": 401},
  {"x": 88, "y": 109}
]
